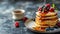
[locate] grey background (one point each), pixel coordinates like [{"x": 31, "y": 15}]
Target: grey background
[{"x": 6, "y": 21}]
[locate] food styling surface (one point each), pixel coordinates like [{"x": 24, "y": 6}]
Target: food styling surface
[{"x": 6, "y": 21}]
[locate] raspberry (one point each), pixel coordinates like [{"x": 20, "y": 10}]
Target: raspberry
[
  {"x": 51, "y": 10},
  {"x": 47, "y": 5},
  {"x": 39, "y": 9},
  {"x": 16, "y": 24},
  {"x": 24, "y": 19},
  {"x": 45, "y": 11}
]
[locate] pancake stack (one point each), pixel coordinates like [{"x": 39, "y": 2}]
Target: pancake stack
[{"x": 45, "y": 17}]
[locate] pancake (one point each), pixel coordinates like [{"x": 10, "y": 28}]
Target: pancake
[
  {"x": 48, "y": 14},
  {"x": 46, "y": 21},
  {"x": 45, "y": 18},
  {"x": 52, "y": 17},
  {"x": 41, "y": 29}
]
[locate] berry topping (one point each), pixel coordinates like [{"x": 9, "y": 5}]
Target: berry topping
[
  {"x": 45, "y": 10},
  {"x": 39, "y": 9},
  {"x": 47, "y": 5},
  {"x": 51, "y": 10},
  {"x": 16, "y": 24}
]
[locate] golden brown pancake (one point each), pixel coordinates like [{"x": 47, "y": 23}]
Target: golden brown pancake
[
  {"x": 48, "y": 14},
  {"x": 45, "y": 20},
  {"x": 52, "y": 17}
]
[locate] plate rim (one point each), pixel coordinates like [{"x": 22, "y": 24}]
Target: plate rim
[{"x": 54, "y": 31}]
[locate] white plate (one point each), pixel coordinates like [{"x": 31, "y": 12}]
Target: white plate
[{"x": 30, "y": 24}]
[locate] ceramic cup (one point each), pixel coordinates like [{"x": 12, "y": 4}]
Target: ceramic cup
[{"x": 18, "y": 13}]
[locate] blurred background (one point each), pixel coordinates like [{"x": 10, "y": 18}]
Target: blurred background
[
  {"x": 27, "y": 5},
  {"x": 24, "y": 4},
  {"x": 30, "y": 6}
]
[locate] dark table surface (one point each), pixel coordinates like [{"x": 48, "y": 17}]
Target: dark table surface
[{"x": 6, "y": 21}]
